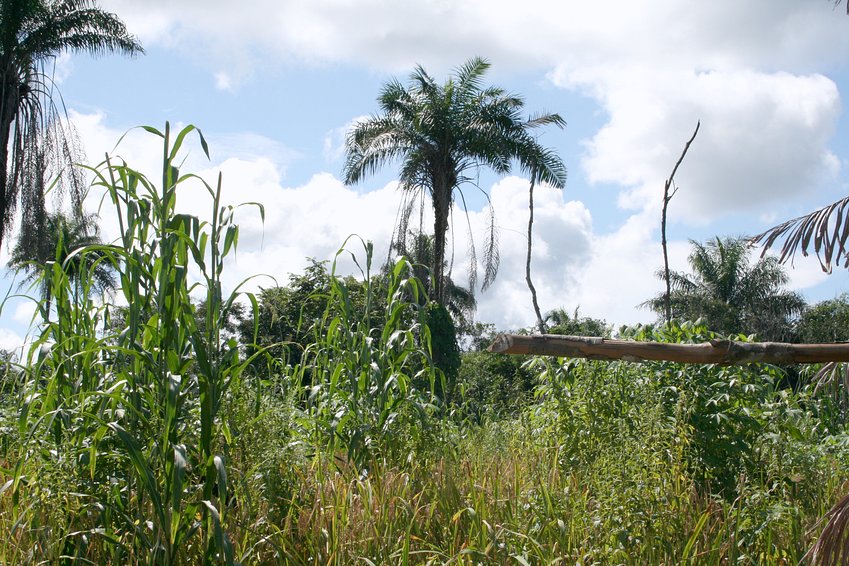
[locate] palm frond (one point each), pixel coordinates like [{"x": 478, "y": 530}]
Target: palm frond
[
  {"x": 491, "y": 257},
  {"x": 825, "y": 231},
  {"x": 36, "y": 132},
  {"x": 441, "y": 134},
  {"x": 545, "y": 119},
  {"x": 470, "y": 75},
  {"x": 832, "y": 546}
]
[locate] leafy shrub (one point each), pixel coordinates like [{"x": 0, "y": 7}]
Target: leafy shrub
[{"x": 493, "y": 386}]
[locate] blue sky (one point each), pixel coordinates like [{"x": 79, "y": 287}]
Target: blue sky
[{"x": 274, "y": 85}]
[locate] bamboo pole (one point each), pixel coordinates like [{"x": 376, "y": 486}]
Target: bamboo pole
[{"x": 713, "y": 352}]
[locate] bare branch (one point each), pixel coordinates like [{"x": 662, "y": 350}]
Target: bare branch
[{"x": 666, "y": 198}]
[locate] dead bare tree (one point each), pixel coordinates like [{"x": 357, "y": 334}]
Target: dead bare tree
[
  {"x": 540, "y": 321},
  {"x": 667, "y": 196}
]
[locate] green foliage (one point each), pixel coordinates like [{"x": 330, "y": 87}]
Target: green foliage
[
  {"x": 290, "y": 317},
  {"x": 132, "y": 421},
  {"x": 827, "y": 321},
  {"x": 493, "y": 386},
  {"x": 363, "y": 372},
  {"x": 444, "y": 349},
  {"x": 56, "y": 242},
  {"x": 418, "y": 248},
  {"x": 152, "y": 440},
  {"x": 732, "y": 295},
  {"x": 441, "y": 134},
  {"x": 714, "y": 417},
  {"x": 561, "y": 322}
]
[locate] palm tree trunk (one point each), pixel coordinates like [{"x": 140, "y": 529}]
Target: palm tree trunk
[
  {"x": 8, "y": 110},
  {"x": 441, "y": 210}
]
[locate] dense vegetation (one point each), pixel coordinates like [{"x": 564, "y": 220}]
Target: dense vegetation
[{"x": 309, "y": 423}]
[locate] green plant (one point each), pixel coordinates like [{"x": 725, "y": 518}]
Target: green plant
[
  {"x": 134, "y": 419},
  {"x": 441, "y": 133},
  {"x": 362, "y": 376}
]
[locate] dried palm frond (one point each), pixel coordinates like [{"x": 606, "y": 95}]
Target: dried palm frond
[
  {"x": 826, "y": 230},
  {"x": 832, "y": 373},
  {"x": 832, "y": 546}
]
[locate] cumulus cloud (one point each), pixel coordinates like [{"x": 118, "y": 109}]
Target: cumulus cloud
[
  {"x": 749, "y": 71},
  {"x": 392, "y": 35},
  {"x": 562, "y": 248},
  {"x": 316, "y": 218},
  {"x": 755, "y": 74},
  {"x": 763, "y": 138},
  {"x": 334, "y": 140},
  {"x": 10, "y": 341}
]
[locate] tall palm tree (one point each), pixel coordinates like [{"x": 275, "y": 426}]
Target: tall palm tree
[
  {"x": 441, "y": 134},
  {"x": 731, "y": 294},
  {"x": 62, "y": 236},
  {"x": 32, "y": 34}
]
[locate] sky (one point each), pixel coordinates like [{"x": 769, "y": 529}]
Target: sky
[{"x": 275, "y": 84}]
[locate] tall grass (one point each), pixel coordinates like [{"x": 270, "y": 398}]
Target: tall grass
[
  {"x": 369, "y": 370},
  {"x": 131, "y": 415}
]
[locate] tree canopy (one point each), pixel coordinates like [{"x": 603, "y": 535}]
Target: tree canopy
[
  {"x": 732, "y": 294},
  {"x": 32, "y": 135},
  {"x": 441, "y": 133},
  {"x": 64, "y": 241}
]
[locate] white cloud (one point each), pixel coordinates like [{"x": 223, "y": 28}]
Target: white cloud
[
  {"x": 753, "y": 72},
  {"x": 314, "y": 219},
  {"x": 10, "y": 341},
  {"x": 747, "y": 70},
  {"x": 561, "y": 250},
  {"x": 763, "y": 138},
  {"x": 24, "y": 312},
  {"x": 223, "y": 81},
  {"x": 334, "y": 140},
  {"x": 393, "y": 35}
]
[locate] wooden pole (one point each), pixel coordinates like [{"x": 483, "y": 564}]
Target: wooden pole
[{"x": 713, "y": 352}]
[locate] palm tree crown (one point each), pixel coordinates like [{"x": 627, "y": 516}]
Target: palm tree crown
[
  {"x": 63, "y": 235},
  {"x": 731, "y": 294},
  {"x": 32, "y": 34},
  {"x": 440, "y": 134}
]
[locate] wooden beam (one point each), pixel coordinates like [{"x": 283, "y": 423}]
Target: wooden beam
[{"x": 713, "y": 352}]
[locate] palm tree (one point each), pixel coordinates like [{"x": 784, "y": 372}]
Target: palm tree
[
  {"x": 62, "y": 236},
  {"x": 730, "y": 293},
  {"x": 32, "y": 34},
  {"x": 440, "y": 134},
  {"x": 419, "y": 249}
]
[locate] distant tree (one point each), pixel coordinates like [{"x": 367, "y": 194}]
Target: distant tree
[
  {"x": 561, "y": 322},
  {"x": 826, "y": 321},
  {"x": 493, "y": 385},
  {"x": 287, "y": 314},
  {"x": 440, "y": 133},
  {"x": 59, "y": 242},
  {"x": 477, "y": 337},
  {"x": 731, "y": 294},
  {"x": 32, "y": 34}
]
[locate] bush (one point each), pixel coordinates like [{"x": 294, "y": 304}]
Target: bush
[{"x": 492, "y": 386}]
